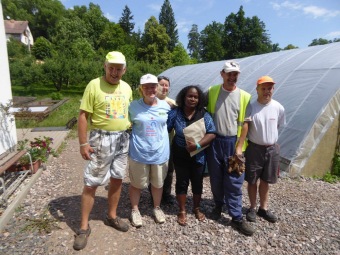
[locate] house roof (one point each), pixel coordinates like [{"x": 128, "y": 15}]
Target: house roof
[{"x": 15, "y": 26}]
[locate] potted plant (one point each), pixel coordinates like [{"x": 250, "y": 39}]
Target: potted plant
[{"x": 39, "y": 150}]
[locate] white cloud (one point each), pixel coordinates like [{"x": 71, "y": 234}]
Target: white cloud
[
  {"x": 333, "y": 35},
  {"x": 109, "y": 16},
  {"x": 184, "y": 26},
  {"x": 286, "y": 5},
  {"x": 314, "y": 11},
  {"x": 319, "y": 12}
]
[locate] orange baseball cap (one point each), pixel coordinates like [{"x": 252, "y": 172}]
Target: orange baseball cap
[{"x": 265, "y": 79}]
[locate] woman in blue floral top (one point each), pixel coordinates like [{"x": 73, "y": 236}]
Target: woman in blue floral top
[{"x": 191, "y": 102}]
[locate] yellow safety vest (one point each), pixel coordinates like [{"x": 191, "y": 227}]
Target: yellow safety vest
[{"x": 214, "y": 91}]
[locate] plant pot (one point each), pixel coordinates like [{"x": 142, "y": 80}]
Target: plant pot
[{"x": 36, "y": 165}]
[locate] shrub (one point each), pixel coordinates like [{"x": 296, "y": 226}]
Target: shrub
[{"x": 57, "y": 96}]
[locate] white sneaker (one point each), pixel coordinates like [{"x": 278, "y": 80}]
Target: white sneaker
[
  {"x": 159, "y": 215},
  {"x": 136, "y": 218}
]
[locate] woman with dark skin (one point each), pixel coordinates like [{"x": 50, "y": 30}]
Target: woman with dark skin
[{"x": 191, "y": 101}]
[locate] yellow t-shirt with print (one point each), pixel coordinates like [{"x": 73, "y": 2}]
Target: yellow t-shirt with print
[{"x": 107, "y": 104}]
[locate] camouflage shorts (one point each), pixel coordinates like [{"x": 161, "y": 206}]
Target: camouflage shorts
[{"x": 109, "y": 158}]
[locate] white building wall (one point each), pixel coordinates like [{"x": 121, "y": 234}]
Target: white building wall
[{"x": 8, "y": 137}]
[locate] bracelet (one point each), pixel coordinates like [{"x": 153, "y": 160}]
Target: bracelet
[
  {"x": 198, "y": 146},
  {"x": 83, "y": 144}
]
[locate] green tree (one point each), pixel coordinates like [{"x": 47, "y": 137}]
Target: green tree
[
  {"x": 167, "y": 19},
  {"x": 56, "y": 71},
  {"x": 25, "y": 72},
  {"x": 82, "y": 50},
  {"x": 68, "y": 31},
  {"x": 42, "y": 15},
  {"x": 112, "y": 38},
  {"x": 194, "y": 43},
  {"x": 42, "y": 48},
  {"x": 126, "y": 21},
  {"x": 179, "y": 56},
  {"x": 95, "y": 22},
  {"x": 256, "y": 38},
  {"x": 154, "y": 44},
  {"x": 211, "y": 42},
  {"x": 320, "y": 41},
  {"x": 276, "y": 47},
  {"x": 14, "y": 9},
  {"x": 290, "y": 47},
  {"x": 244, "y": 36},
  {"x": 16, "y": 49}
]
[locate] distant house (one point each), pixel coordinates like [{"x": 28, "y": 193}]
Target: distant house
[{"x": 19, "y": 30}]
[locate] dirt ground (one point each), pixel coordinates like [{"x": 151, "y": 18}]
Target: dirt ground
[
  {"x": 66, "y": 208},
  {"x": 308, "y": 212}
]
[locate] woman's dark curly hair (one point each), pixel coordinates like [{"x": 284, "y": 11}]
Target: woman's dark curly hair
[{"x": 180, "y": 98}]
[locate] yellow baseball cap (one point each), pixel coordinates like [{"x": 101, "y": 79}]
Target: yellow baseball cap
[{"x": 115, "y": 57}]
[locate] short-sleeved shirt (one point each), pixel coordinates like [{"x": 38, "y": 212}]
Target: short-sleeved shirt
[
  {"x": 178, "y": 122},
  {"x": 149, "y": 140},
  {"x": 108, "y": 104},
  {"x": 226, "y": 112},
  {"x": 264, "y": 121}
]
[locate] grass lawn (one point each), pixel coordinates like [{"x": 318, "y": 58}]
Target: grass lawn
[{"x": 58, "y": 117}]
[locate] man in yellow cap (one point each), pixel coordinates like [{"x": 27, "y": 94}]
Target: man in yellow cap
[
  {"x": 105, "y": 103},
  {"x": 263, "y": 119}
]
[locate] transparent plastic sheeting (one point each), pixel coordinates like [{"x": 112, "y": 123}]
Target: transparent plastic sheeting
[{"x": 307, "y": 85}]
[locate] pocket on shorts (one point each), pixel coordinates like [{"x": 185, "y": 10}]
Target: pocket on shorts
[
  {"x": 125, "y": 142},
  {"x": 94, "y": 139},
  {"x": 93, "y": 166}
]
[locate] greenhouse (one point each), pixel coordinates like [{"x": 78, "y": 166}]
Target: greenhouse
[{"x": 307, "y": 85}]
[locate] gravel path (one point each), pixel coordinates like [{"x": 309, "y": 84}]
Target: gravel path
[{"x": 308, "y": 210}]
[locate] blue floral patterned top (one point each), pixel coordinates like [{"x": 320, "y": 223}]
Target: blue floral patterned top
[{"x": 178, "y": 121}]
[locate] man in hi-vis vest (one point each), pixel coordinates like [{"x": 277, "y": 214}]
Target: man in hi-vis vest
[{"x": 227, "y": 103}]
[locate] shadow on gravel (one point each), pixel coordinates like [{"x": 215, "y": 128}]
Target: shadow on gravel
[{"x": 67, "y": 209}]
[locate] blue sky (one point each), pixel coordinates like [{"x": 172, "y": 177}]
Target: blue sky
[{"x": 295, "y": 22}]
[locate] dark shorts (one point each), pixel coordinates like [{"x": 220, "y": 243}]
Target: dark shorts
[{"x": 262, "y": 162}]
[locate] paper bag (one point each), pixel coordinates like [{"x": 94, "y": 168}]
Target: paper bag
[{"x": 195, "y": 132}]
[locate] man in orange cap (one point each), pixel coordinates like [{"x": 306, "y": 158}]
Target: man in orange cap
[{"x": 263, "y": 119}]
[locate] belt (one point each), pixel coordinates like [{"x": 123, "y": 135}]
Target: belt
[{"x": 259, "y": 145}]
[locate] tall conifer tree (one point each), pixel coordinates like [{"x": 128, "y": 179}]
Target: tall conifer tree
[
  {"x": 167, "y": 19},
  {"x": 126, "y": 21}
]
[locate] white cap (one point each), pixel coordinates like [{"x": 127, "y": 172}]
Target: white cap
[
  {"x": 148, "y": 78},
  {"x": 231, "y": 66}
]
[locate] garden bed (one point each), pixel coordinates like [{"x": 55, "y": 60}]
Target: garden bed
[{"x": 26, "y": 108}]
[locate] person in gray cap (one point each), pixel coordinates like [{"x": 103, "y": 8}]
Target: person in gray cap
[
  {"x": 105, "y": 103},
  {"x": 227, "y": 103}
]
